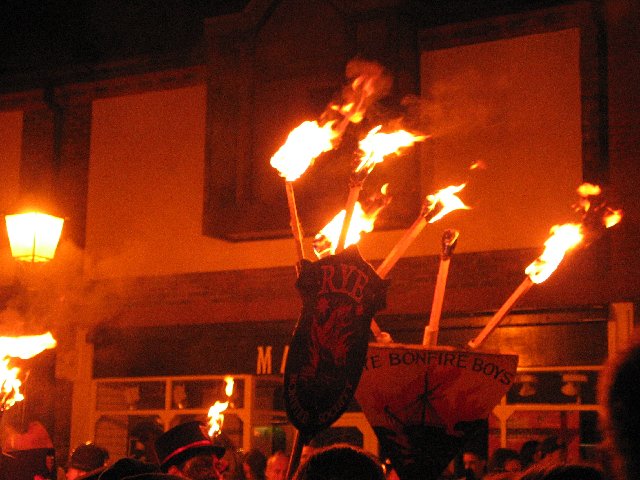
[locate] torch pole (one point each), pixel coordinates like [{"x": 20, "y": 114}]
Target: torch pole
[
  {"x": 399, "y": 248},
  {"x": 296, "y": 228},
  {"x": 449, "y": 241},
  {"x": 294, "y": 460},
  {"x": 354, "y": 192},
  {"x": 500, "y": 314}
]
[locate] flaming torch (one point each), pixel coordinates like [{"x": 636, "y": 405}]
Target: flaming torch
[
  {"x": 435, "y": 207},
  {"x": 596, "y": 217},
  {"x": 363, "y": 220},
  {"x": 304, "y": 144},
  {"x": 370, "y": 82},
  {"x": 23, "y": 347},
  {"x": 374, "y": 147},
  {"x": 216, "y": 417},
  {"x": 563, "y": 238}
]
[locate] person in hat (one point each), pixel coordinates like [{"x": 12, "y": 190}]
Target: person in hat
[
  {"x": 187, "y": 451},
  {"x": 127, "y": 467},
  {"x": 86, "y": 462}
]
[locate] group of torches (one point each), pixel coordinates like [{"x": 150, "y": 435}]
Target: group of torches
[
  {"x": 309, "y": 140},
  {"x": 303, "y": 145}
]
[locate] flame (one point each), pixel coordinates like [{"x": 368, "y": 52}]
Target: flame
[
  {"x": 228, "y": 389},
  {"x": 588, "y": 189},
  {"x": 23, "y": 347},
  {"x": 26, "y": 346},
  {"x": 303, "y": 145},
  {"x": 376, "y": 145},
  {"x": 478, "y": 165},
  {"x": 327, "y": 239},
  {"x": 362, "y": 87},
  {"x": 447, "y": 200},
  {"x": 216, "y": 418},
  {"x": 596, "y": 213},
  {"x": 370, "y": 82},
  {"x": 9, "y": 386},
  {"x": 611, "y": 218},
  {"x": 563, "y": 238}
]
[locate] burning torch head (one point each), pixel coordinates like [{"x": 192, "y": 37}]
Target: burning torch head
[{"x": 184, "y": 441}]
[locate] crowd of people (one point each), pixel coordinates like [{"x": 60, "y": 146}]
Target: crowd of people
[{"x": 187, "y": 452}]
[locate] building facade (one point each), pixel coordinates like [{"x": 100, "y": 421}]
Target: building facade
[{"x": 177, "y": 267}]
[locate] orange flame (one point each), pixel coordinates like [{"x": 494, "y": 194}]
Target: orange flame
[
  {"x": 9, "y": 386},
  {"x": 588, "y": 189},
  {"x": 447, "y": 200},
  {"x": 563, "y": 238},
  {"x": 228, "y": 389},
  {"x": 364, "y": 88},
  {"x": 595, "y": 212},
  {"x": 612, "y": 217},
  {"x": 23, "y": 347},
  {"x": 327, "y": 239},
  {"x": 216, "y": 417},
  {"x": 370, "y": 82},
  {"x": 376, "y": 145},
  {"x": 303, "y": 145}
]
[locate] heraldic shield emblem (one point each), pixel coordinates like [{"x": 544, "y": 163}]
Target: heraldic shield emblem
[
  {"x": 340, "y": 295},
  {"x": 425, "y": 403}
]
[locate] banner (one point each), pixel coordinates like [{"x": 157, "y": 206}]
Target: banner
[
  {"x": 424, "y": 402},
  {"x": 340, "y": 295}
]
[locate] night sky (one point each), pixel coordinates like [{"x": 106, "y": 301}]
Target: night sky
[{"x": 44, "y": 34}]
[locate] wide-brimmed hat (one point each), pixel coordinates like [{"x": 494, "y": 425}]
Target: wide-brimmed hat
[{"x": 183, "y": 442}]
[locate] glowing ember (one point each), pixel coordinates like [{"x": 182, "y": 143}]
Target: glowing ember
[
  {"x": 563, "y": 238},
  {"x": 447, "y": 201},
  {"x": 216, "y": 417},
  {"x": 303, "y": 145},
  {"x": 23, "y": 347},
  {"x": 376, "y": 145}
]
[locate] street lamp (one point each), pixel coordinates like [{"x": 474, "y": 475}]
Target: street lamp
[{"x": 33, "y": 236}]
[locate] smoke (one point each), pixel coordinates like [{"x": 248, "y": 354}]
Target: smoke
[{"x": 55, "y": 296}]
